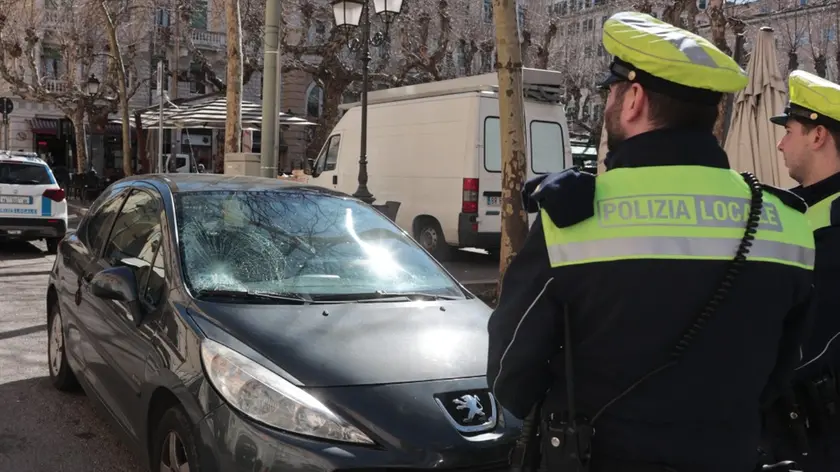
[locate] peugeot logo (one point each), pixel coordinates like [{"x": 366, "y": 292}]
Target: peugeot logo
[
  {"x": 469, "y": 412},
  {"x": 472, "y": 404}
]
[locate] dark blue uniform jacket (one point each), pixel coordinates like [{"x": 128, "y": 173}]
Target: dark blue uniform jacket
[
  {"x": 822, "y": 349},
  {"x": 626, "y": 317}
]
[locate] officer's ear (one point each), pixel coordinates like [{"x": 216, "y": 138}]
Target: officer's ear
[
  {"x": 635, "y": 103},
  {"x": 820, "y": 137}
]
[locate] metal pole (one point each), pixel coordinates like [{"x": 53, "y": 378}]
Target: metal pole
[
  {"x": 6, "y": 127},
  {"x": 268, "y": 164},
  {"x": 160, "y": 117},
  {"x": 276, "y": 152},
  {"x": 362, "y": 192}
]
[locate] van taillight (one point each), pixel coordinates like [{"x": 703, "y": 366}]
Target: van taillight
[
  {"x": 54, "y": 194},
  {"x": 469, "y": 202}
]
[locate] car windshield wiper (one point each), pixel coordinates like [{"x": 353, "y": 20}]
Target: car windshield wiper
[
  {"x": 418, "y": 295},
  {"x": 251, "y": 295},
  {"x": 381, "y": 295}
]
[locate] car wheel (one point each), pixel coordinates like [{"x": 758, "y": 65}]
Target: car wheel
[
  {"x": 174, "y": 446},
  {"x": 61, "y": 376},
  {"x": 52, "y": 245},
  {"x": 430, "y": 236}
]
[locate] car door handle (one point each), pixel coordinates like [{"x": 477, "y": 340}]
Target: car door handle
[{"x": 335, "y": 180}]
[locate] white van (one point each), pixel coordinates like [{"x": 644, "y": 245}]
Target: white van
[{"x": 435, "y": 149}]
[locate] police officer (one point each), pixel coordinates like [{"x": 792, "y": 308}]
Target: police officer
[
  {"x": 675, "y": 335},
  {"x": 811, "y": 147}
]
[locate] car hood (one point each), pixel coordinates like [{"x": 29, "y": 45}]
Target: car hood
[{"x": 354, "y": 344}]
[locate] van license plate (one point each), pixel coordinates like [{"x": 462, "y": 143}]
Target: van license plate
[
  {"x": 494, "y": 201},
  {"x": 15, "y": 200},
  {"x": 14, "y": 232}
]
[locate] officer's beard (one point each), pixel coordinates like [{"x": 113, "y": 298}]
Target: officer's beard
[{"x": 615, "y": 135}]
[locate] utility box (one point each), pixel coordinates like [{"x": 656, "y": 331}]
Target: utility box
[{"x": 242, "y": 163}]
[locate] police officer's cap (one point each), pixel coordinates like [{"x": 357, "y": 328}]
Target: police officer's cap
[
  {"x": 668, "y": 60},
  {"x": 813, "y": 100}
]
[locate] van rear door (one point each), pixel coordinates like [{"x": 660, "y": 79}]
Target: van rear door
[
  {"x": 548, "y": 141},
  {"x": 546, "y": 152}
]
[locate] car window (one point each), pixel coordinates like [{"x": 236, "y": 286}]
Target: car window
[
  {"x": 299, "y": 241},
  {"x": 135, "y": 240},
  {"x": 94, "y": 230},
  {"x": 21, "y": 173},
  {"x": 328, "y": 158}
]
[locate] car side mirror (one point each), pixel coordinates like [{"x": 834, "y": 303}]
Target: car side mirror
[{"x": 119, "y": 284}]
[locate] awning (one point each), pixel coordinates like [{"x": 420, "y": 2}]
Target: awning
[{"x": 44, "y": 125}]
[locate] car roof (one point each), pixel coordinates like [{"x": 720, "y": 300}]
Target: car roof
[
  {"x": 18, "y": 156},
  {"x": 184, "y": 182}
]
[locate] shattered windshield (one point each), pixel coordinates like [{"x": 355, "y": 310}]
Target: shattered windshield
[{"x": 299, "y": 242}]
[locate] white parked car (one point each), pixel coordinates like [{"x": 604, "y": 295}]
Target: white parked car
[{"x": 32, "y": 204}]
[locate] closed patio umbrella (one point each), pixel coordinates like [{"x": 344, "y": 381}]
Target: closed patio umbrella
[{"x": 752, "y": 139}]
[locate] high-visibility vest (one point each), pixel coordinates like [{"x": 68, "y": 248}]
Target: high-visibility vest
[
  {"x": 819, "y": 214},
  {"x": 678, "y": 212}
]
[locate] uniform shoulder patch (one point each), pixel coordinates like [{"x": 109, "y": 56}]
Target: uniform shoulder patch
[
  {"x": 568, "y": 196},
  {"x": 787, "y": 197}
]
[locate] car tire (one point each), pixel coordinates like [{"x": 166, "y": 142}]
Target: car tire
[
  {"x": 430, "y": 236},
  {"x": 174, "y": 425},
  {"x": 52, "y": 245},
  {"x": 61, "y": 375}
]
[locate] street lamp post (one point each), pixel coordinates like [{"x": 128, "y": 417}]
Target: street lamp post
[
  {"x": 92, "y": 89},
  {"x": 349, "y": 14}
]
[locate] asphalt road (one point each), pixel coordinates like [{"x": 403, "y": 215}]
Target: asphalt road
[{"x": 41, "y": 429}]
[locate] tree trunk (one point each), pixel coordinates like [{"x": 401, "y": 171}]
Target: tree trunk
[
  {"x": 122, "y": 89},
  {"x": 512, "y": 123},
  {"x": 78, "y": 119},
  {"x": 233, "y": 124},
  {"x": 821, "y": 65},
  {"x": 793, "y": 61}
]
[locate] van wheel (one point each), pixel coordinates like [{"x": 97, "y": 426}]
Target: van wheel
[{"x": 430, "y": 236}]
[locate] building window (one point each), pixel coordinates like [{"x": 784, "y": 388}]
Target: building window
[
  {"x": 51, "y": 63},
  {"x": 488, "y": 11},
  {"x": 314, "y": 100},
  {"x": 199, "y": 15},
  {"x": 162, "y": 17}
]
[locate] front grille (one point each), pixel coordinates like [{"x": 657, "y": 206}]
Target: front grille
[{"x": 494, "y": 467}]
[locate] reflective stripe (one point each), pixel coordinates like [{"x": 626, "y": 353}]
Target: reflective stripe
[
  {"x": 686, "y": 44},
  {"x": 660, "y": 247}
]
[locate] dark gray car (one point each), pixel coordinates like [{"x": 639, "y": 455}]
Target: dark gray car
[{"x": 247, "y": 324}]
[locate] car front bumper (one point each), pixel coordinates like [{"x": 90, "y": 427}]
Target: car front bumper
[
  {"x": 27, "y": 229},
  {"x": 231, "y": 443}
]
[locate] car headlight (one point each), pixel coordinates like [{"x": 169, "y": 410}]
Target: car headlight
[{"x": 266, "y": 397}]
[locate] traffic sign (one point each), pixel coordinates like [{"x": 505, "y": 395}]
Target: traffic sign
[{"x": 7, "y": 106}]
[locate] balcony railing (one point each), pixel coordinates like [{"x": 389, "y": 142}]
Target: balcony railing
[
  {"x": 208, "y": 39},
  {"x": 56, "y": 86}
]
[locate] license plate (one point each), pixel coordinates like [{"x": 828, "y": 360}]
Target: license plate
[
  {"x": 494, "y": 201},
  {"x": 14, "y": 232},
  {"x": 15, "y": 200}
]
